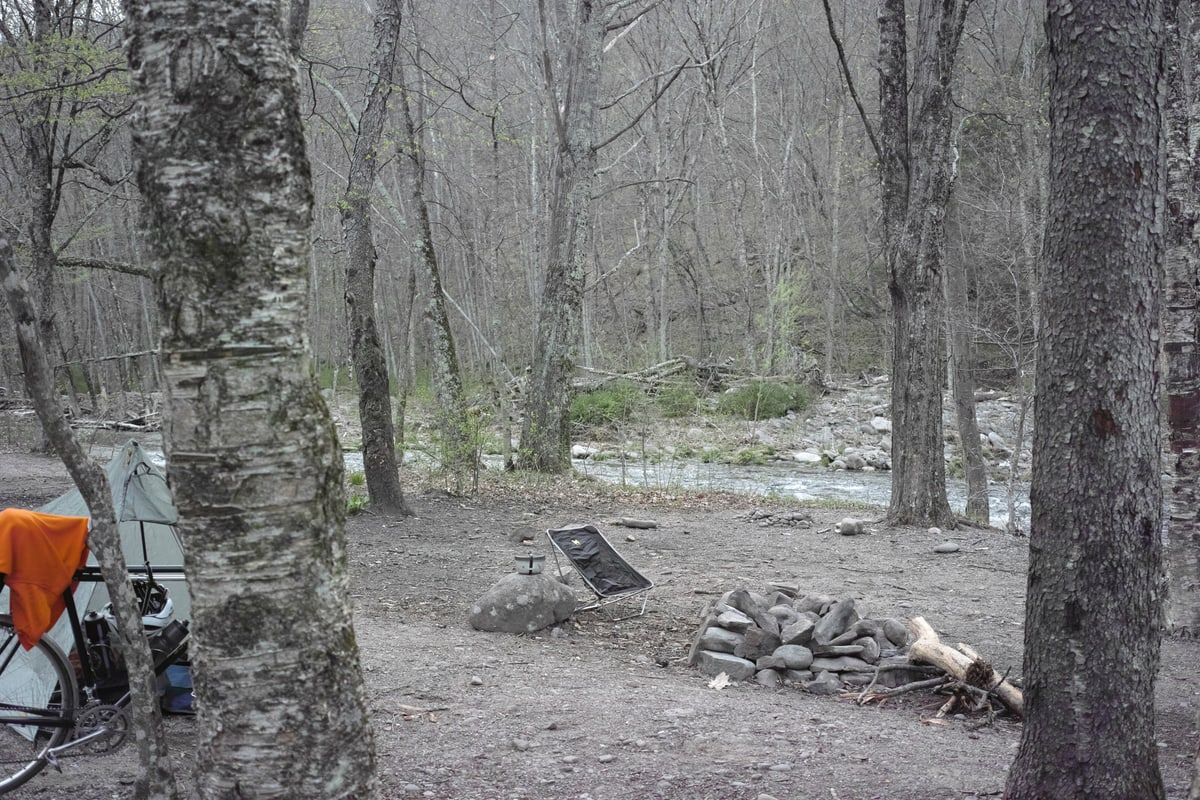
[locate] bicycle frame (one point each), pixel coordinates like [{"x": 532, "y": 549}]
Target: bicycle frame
[{"x": 87, "y": 687}]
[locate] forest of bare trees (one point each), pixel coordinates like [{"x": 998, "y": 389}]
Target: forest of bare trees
[
  {"x": 732, "y": 203},
  {"x": 472, "y": 195}
]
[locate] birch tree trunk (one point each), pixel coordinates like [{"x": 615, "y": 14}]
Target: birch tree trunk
[
  {"x": 366, "y": 351},
  {"x": 1093, "y": 613},
  {"x": 252, "y": 452},
  {"x": 1180, "y": 319},
  {"x": 916, "y": 178}
]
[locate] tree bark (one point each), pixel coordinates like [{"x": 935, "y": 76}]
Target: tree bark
[
  {"x": 916, "y": 179},
  {"x": 252, "y": 453},
  {"x": 546, "y": 429},
  {"x": 157, "y": 779},
  {"x": 458, "y": 449},
  {"x": 1093, "y": 613},
  {"x": 366, "y": 351},
  {"x": 1181, "y": 318}
]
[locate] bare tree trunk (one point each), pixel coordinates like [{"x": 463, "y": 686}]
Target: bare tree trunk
[
  {"x": 962, "y": 390},
  {"x": 916, "y": 176},
  {"x": 1094, "y": 610},
  {"x": 252, "y": 451},
  {"x": 366, "y": 351},
  {"x": 458, "y": 447},
  {"x": 545, "y": 431},
  {"x": 157, "y": 779},
  {"x": 1180, "y": 318}
]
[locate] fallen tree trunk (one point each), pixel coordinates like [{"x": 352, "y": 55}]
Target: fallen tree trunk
[{"x": 929, "y": 649}]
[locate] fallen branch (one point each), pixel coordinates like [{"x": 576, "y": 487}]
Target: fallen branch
[{"x": 929, "y": 649}]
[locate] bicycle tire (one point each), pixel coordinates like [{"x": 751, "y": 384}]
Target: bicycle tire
[{"x": 53, "y": 698}]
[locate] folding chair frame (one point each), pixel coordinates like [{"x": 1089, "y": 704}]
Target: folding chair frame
[{"x": 603, "y": 598}]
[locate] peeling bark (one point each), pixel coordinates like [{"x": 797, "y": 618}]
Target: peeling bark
[{"x": 253, "y": 456}]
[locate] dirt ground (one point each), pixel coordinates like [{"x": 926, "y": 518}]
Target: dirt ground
[{"x": 608, "y": 710}]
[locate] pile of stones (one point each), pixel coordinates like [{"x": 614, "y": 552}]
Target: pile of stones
[{"x": 816, "y": 642}]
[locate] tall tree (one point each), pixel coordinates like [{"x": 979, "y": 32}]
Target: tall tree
[
  {"x": 252, "y": 451},
  {"x": 366, "y": 349},
  {"x": 917, "y": 174},
  {"x": 1181, "y": 317},
  {"x": 457, "y": 445},
  {"x": 572, "y": 41},
  {"x": 1093, "y": 612}
]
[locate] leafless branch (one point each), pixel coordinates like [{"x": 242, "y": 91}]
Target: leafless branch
[{"x": 837, "y": 42}]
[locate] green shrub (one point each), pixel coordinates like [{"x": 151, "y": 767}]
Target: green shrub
[
  {"x": 357, "y": 479},
  {"x": 677, "y": 401},
  {"x": 762, "y": 400},
  {"x": 606, "y": 406},
  {"x": 356, "y": 503}
]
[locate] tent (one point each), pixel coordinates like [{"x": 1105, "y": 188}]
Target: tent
[{"x": 146, "y": 517}]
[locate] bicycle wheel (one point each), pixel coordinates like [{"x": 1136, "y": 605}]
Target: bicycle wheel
[{"x": 38, "y": 695}]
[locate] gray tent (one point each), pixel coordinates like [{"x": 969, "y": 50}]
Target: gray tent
[{"x": 146, "y": 517}]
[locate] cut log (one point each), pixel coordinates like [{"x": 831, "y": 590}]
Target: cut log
[{"x": 929, "y": 649}]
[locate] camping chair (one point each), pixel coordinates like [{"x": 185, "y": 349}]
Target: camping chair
[{"x": 602, "y": 568}]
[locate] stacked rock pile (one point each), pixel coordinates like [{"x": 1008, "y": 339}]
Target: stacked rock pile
[{"x": 814, "y": 641}]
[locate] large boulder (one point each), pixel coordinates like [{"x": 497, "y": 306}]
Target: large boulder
[{"x": 522, "y": 604}]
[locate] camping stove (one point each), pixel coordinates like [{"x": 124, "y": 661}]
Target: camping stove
[{"x": 529, "y": 564}]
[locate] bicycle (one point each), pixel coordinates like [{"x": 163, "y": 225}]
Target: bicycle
[{"x": 51, "y": 703}]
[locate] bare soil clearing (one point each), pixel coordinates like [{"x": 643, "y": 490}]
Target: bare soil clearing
[{"x": 606, "y": 710}]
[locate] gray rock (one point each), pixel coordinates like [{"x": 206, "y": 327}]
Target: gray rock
[
  {"x": 900, "y": 672},
  {"x": 734, "y": 620},
  {"x": 840, "y": 617},
  {"x": 522, "y": 604},
  {"x": 870, "y": 649},
  {"x": 850, "y": 526},
  {"x": 754, "y": 606},
  {"x": 721, "y": 640},
  {"x": 772, "y": 679},
  {"x": 896, "y": 631},
  {"x": 707, "y": 619},
  {"x": 738, "y": 669},
  {"x": 785, "y": 614},
  {"x": 825, "y": 683},
  {"x": 799, "y": 632},
  {"x": 813, "y": 602},
  {"x": 946, "y": 547},
  {"x": 837, "y": 649},
  {"x": 794, "y": 656},
  {"x": 770, "y": 662},
  {"x": 757, "y": 643},
  {"x": 839, "y": 664},
  {"x": 799, "y": 676}
]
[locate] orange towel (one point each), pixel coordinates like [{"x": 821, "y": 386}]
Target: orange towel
[{"x": 39, "y": 554}]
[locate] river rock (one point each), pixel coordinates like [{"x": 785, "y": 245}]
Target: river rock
[
  {"x": 757, "y": 643},
  {"x": 870, "y": 649},
  {"x": 813, "y": 602},
  {"x": 522, "y": 604},
  {"x": 721, "y": 640},
  {"x": 946, "y": 547},
  {"x": 738, "y": 669},
  {"x": 837, "y": 649},
  {"x": 824, "y": 683},
  {"x": 734, "y": 620},
  {"x": 895, "y": 630},
  {"x": 769, "y": 678},
  {"x": 839, "y": 664},
  {"x": 784, "y": 613},
  {"x": 840, "y": 617},
  {"x": 799, "y": 632},
  {"x": 794, "y": 656}
]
